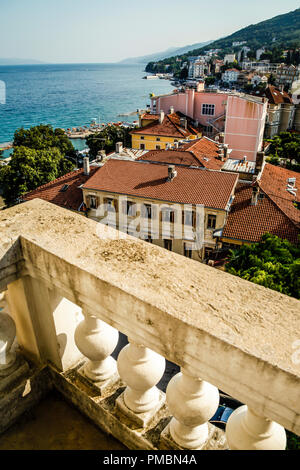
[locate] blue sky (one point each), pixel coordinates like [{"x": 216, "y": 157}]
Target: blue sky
[{"x": 63, "y": 31}]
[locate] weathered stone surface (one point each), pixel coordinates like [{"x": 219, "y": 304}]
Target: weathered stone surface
[
  {"x": 234, "y": 334},
  {"x": 27, "y": 387},
  {"x": 140, "y": 420},
  {"x": 216, "y": 440},
  {"x": 101, "y": 410}
]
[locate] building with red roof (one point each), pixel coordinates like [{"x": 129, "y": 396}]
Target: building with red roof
[
  {"x": 269, "y": 205},
  {"x": 158, "y": 131}
]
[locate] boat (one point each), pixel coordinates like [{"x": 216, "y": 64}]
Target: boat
[{"x": 151, "y": 77}]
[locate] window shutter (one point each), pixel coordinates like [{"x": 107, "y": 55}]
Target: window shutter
[
  {"x": 88, "y": 201},
  {"x": 115, "y": 204},
  {"x": 97, "y": 202}
]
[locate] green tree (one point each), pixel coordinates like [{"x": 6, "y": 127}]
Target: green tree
[
  {"x": 30, "y": 168},
  {"x": 286, "y": 146},
  {"x": 44, "y": 137},
  {"x": 272, "y": 262},
  {"x": 107, "y": 139}
]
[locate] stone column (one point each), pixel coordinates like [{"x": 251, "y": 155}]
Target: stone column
[
  {"x": 141, "y": 369},
  {"x": 96, "y": 340},
  {"x": 246, "y": 430},
  {"x": 192, "y": 402}
]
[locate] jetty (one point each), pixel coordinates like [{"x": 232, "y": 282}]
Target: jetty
[{"x": 6, "y": 146}]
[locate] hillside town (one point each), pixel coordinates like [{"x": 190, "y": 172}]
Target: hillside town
[
  {"x": 149, "y": 268},
  {"x": 193, "y": 148}
]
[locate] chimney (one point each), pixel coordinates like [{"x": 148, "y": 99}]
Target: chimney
[
  {"x": 260, "y": 159},
  {"x": 172, "y": 173},
  {"x": 86, "y": 166},
  {"x": 221, "y": 138},
  {"x": 183, "y": 122},
  {"x": 220, "y": 152},
  {"x": 255, "y": 193},
  {"x": 172, "y": 110},
  {"x": 225, "y": 147},
  {"x": 119, "y": 147},
  {"x": 140, "y": 119},
  {"x": 161, "y": 117}
]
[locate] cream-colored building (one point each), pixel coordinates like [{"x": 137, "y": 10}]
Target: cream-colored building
[{"x": 178, "y": 208}]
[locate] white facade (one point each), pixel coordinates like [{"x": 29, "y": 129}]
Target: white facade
[
  {"x": 229, "y": 58},
  {"x": 230, "y": 75}
]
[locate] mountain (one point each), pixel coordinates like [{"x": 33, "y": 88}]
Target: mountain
[
  {"x": 172, "y": 51},
  {"x": 282, "y": 31},
  {"x": 20, "y": 62}
]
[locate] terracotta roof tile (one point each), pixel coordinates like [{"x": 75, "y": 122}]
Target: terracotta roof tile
[
  {"x": 276, "y": 96},
  {"x": 172, "y": 157},
  {"x": 205, "y": 148},
  {"x": 248, "y": 222},
  {"x": 149, "y": 180},
  {"x": 200, "y": 152},
  {"x": 274, "y": 182},
  {"x": 71, "y": 198},
  {"x": 170, "y": 127}
]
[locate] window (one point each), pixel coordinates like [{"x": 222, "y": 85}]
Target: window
[
  {"x": 110, "y": 204},
  {"x": 207, "y": 252},
  {"x": 146, "y": 211},
  {"x": 208, "y": 129},
  {"x": 168, "y": 245},
  {"x": 211, "y": 221},
  {"x": 158, "y": 139},
  {"x": 64, "y": 188},
  {"x": 131, "y": 209},
  {"x": 168, "y": 215},
  {"x": 187, "y": 249},
  {"x": 142, "y": 146},
  {"x": 157, "y": 147},
  {"x": 142, "y": 137},
  {"x": 188, "y": 218},
  {"x": 93, "y": 202},
  {"x": 208, "y": 109}
]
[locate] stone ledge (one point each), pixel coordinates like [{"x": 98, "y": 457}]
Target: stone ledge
[
  {"x": 102, "y": 411},
  {"x": 216, "y": 440},
  {"x": 26, "y": 388},
  {"x": 139, "y": 420}
]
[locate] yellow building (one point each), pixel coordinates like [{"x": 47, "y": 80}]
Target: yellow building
[{"x": 158, "y": 131}]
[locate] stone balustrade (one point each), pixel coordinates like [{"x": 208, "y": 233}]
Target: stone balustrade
[{"x": 72, "y": 285}]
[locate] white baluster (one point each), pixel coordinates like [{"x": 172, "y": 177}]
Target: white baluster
[
  {"x": 246, "y": 430},
  {"x": 96, "y": 340},
  {"x": 192, "y": 402},
  {"x": 141, "y": 369},
  {"x": 7, "y": 337}
]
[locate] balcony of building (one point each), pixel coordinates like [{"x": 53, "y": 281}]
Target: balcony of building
[{"x": 72, "y": 286}]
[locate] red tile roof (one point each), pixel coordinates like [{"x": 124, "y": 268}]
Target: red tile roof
[
  {"x": 274, "y": 181},
  {"x": 146, "y": 180},
  {"x": 200, "y": 152},
  {"x": 152, "y": 117},
  {"x": 276, "y": 96},
  {"x": 248, "y": 223},
  {"x": 71, "y": 198},
  {"x": 205, "y": 148},
  {"x": 170, "y": 127},
  {"x": 172, "y": 157}
]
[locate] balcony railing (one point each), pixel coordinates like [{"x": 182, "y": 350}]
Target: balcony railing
[{"x": 71, "y": 286}]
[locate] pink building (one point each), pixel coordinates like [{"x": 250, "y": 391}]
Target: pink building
[{"x": 241, "y": 117}]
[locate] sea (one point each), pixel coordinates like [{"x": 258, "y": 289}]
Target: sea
[{"x": 73, "y": 95}]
